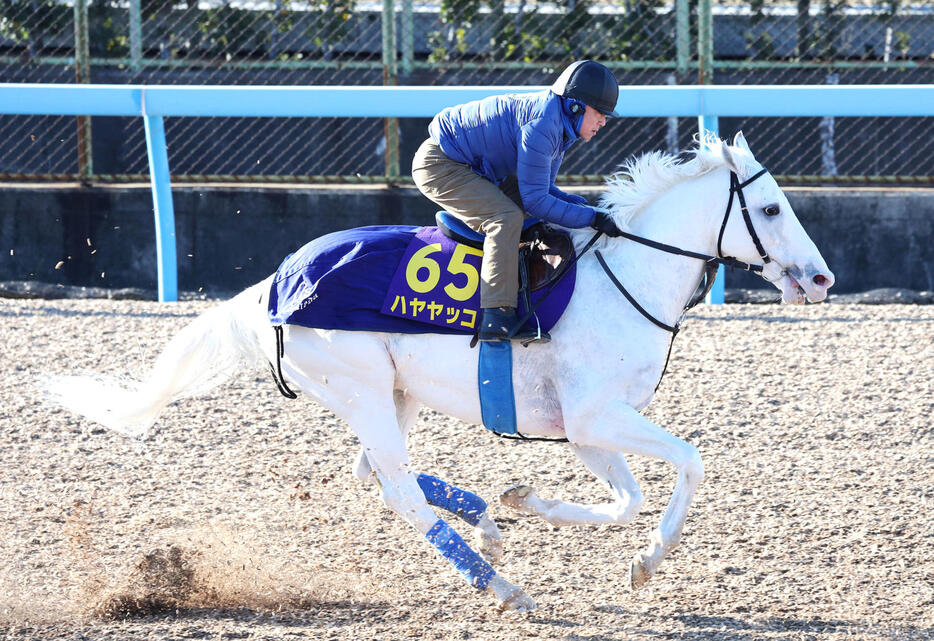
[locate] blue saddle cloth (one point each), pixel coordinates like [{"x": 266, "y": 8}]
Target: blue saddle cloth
[{"x": 340, "y": 281}]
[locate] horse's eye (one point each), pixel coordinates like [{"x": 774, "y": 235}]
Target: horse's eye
[{"x": 772, "y": 210}]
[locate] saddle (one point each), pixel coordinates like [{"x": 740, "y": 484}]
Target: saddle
[
  {"x": 544, "y": 254},
  {"x": 543, "y": 250}
]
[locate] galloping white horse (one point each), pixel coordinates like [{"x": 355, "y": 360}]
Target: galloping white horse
[{"x": 588, "y": 385}]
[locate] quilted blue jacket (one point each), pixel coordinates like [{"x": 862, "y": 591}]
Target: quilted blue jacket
[{"x": 522, "y": 135}]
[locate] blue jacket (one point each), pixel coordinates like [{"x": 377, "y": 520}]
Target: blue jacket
[{"x": 522, "y": 135}]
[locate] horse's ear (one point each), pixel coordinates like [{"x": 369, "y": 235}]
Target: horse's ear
[
  {"x": 731, "y": 160},
  {"x": 739, "y": 140}
]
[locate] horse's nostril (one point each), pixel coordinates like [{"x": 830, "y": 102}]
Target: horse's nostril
[{"x": 820, "y": 280}]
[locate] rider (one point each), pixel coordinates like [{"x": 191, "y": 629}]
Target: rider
[{"x": 488, "y": 162}]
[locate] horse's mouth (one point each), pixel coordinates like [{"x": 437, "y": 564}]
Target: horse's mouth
[{"x": 795, "y": 292}]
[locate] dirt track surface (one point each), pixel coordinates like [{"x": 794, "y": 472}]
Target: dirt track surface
[{"x": 815, "y": 520}]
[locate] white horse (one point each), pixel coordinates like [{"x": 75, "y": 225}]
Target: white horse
[{"x": 588, "y": 385}]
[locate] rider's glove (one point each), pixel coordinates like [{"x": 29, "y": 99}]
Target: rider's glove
[{"x": 603, "y": 222}]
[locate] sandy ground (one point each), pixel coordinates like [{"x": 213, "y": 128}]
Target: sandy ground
[{"x": 239, "y": 516}]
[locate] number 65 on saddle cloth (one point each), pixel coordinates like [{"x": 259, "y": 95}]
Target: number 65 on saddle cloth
[{"x": 394, "y": 279}]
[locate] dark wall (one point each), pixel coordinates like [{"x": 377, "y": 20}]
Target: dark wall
[{"x": 231, "y": 237}]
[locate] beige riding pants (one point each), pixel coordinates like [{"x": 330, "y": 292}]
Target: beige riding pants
[{"x": 486, "y": 208}]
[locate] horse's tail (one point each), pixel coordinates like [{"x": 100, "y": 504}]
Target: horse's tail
[{"x": 203, "y": 355}]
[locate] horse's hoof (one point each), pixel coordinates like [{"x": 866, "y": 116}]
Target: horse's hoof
[
  {"x": 515, "y": 497},
  {"x": 489, "y": 540},
  {"x": 638, "y": 574},
  {"x": 490, "y": 549},
  {"x": 508, "y": 596},
  {"x": 519, "y": 602}
]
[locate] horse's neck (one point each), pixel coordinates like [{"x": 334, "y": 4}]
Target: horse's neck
[{"x": 686, "y": 216}]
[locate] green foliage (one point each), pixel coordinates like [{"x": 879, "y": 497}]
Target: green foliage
[
  {"x": 760, "y": 44},
  {"x": 151, "y": 9},
  {"x": 475, "y": 30},
  {"x": 225, "y": 31},
  {"x": 108, "y": 32},
  {"x": 459, "y": 11},
  {"x": 32, "y": 23},
  {"x": 459, "y": 16},
  {"x": 522, "y": 36},
  {"x": 13, "y": 29},
  {"x": 331, "y": 23},
  {"x": 640, "y": 33},
  {"x": 901, "y": 40},
  {"x": 901, "y": 43}
]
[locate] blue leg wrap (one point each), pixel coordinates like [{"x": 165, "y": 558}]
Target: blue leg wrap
[
  {"x": 452, "y": 547},
  {"x": 464, "y": 504}
]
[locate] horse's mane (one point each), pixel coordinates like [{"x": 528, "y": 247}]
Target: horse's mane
[{"x": 642, "y": 179}]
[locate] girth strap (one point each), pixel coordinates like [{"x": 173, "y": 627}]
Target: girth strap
[{"x": 277, "y": 370}]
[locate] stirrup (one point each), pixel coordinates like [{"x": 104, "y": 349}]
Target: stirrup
[
  {"x": 538, "y": 337},
  {"x": 503, "y": 326}
]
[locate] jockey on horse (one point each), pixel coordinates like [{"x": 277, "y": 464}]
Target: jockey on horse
[{"x": 492, "y": 162}]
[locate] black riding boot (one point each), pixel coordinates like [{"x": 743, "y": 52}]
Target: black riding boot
[{"x": 497, "y": 322}]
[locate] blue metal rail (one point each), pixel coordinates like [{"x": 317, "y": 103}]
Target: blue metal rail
[{"x": 153, "y": 103}]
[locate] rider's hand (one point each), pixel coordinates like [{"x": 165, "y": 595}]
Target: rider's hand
[{"x": 603, "y": 222}]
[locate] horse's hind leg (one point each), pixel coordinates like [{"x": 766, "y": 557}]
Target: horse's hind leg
[
  {"x": 470, "y": 508},
  {"x": 610, "y": 467},
  {"x": 406, "y": 415},
  {"x": 385, "y": 450},
  {"x": 466, "y": 505},
  {"x": 357, "y": 387}
]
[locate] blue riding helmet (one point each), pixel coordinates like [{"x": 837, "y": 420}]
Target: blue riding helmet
[{"x": 591, "y": 83}]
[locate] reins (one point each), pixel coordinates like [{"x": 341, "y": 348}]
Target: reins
[
  {"x": 712, "y": 264},
  {"x": 277, "y": 370},
  {"x": 564, "y": 272},
  {"x": 736, "y": 188},
  {"x": 728, "y": 261}
]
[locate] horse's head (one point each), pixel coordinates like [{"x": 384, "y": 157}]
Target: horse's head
[{"x": 770, "y": 233}]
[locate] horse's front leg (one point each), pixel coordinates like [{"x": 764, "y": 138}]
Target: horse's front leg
[
  {"x": 608, "y": 466},
  {"x": 617, "y": 426}
]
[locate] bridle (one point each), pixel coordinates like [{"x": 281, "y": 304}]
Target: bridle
[
  {"x": 712, "y": 262},
  {"x": 736, "y": 189}
]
